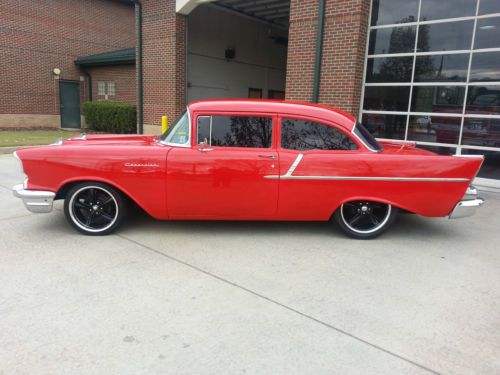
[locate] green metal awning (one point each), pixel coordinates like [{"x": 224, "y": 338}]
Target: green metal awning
[{"x": 120, "y": 57}]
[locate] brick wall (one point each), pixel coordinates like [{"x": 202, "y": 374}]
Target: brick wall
[
  {"x": 301, "y": 49},
  {"x": 344, "y": 44},
  {"x": 38, "y": 36},
  {"x": 124, "y": 78},
  {"x": 164, "y": 61}
]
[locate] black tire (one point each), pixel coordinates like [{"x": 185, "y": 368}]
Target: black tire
[
  {"x": 365, "y": 219},
  {"x": 94, "y": 208}
]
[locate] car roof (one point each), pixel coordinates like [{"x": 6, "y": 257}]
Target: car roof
[{"x": 275, "y": 106}]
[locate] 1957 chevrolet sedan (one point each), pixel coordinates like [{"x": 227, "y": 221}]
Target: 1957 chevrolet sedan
[{"x": 248, "y": 160}]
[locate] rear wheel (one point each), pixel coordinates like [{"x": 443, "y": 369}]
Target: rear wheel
[
  {"x": 94, "y": 208},
  {"x": 365, "y": 219}
]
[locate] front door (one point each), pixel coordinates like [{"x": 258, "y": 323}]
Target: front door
[
  {"x": 223, "y": 175},
  {"x": 69, "y": 92}
]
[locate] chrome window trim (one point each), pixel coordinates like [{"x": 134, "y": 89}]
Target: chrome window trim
[
  {"x": 209, "y": 129},
  {"x": 211, "y": 126},
  {"x": 361, "y": 140}
]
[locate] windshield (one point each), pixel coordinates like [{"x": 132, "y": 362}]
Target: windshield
[
  {"x": 366, "y": 137},
  {"x": 178, "y": 133}
]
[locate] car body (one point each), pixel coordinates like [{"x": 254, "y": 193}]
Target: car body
[{"x": 251, "y": 160}]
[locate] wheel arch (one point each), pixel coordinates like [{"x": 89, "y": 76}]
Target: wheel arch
[
  {"x": 395, "y": 204},
  {"x": 63, "y": 189}
]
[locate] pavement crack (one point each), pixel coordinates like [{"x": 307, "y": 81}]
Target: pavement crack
[
  {"x": 257, "y": 294},
  {"x": 15, "y": 217}
]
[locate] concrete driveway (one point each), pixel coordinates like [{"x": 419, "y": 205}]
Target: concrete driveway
[{"x": 257, "y": 298}]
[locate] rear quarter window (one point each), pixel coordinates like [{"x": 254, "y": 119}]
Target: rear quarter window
[
  {"x": 306, "y": 135},
  {"x": 366, "y": 137}
]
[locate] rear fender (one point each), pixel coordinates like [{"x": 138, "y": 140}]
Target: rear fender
[
  {"x": 431, "y": 198},
  {"x": 377, "y": 199}
]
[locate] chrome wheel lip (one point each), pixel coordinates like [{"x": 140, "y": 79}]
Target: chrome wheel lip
[
  {"x": 75, "y": 219},
  {"x": 368, "y": 231}
]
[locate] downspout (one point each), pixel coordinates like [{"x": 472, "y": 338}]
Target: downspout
[
  {"x": 140, "y": 98},
  {"x": 319, "y": 50},
  {"x": 89, "y": 80}
]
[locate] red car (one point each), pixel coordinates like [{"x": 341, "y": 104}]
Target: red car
[{"x": 248, "y": 160}]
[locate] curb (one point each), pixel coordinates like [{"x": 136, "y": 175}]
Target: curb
[{"x": 10, "y": 150}]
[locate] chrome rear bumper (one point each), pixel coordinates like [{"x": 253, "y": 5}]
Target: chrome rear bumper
[
  {"x": 37, "y": 201},
  {"x": 468, "y": 205}
]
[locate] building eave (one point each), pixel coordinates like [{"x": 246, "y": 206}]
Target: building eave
[{"x": 119, "y": 57}]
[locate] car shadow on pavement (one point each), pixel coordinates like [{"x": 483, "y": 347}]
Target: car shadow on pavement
[{"x": 406, "y": 225}]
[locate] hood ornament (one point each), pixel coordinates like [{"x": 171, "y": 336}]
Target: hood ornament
[{"x": 58, "y": 142}]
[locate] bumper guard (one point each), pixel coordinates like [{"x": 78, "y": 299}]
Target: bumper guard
[
  {"x": 468, "y": 205},
  {"x": 37, "y": 201}
]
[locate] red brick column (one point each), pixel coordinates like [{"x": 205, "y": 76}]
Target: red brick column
[
  {"x": 164, "y": 62},
  {"x": 344, "y": 45},
  {"x": 301, "y": 49}
]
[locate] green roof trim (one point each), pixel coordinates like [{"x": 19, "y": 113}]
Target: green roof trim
[{"x": 120, "y": 57}]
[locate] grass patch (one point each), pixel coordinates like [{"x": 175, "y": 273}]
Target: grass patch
[{"x": 33, "y": 137}]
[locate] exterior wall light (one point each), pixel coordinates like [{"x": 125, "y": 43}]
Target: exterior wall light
[{"x": 229, "y": 53}]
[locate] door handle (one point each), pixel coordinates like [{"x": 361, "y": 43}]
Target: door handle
[
  {"x": 205, "y": 149},
  {"x": 267, "y": 156}
]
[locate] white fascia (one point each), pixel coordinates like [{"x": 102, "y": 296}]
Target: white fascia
[{"x": 187, "y": 6}]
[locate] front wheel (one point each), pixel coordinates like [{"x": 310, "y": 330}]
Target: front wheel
[
  {"x": 94, "y": 208},
  {"x": 365, "y": 219}
]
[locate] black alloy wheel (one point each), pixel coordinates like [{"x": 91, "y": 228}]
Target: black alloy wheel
[
  {"x": 94, "y": 208},
  {"x": 365, "y": 219}
]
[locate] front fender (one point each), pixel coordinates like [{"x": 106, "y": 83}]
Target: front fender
[{"x": 139, "y": 172}]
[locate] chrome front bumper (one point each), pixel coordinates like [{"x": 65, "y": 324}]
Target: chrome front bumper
[
  {"x": 37, "y": 201},
  {"x": 468, "y": 205}
]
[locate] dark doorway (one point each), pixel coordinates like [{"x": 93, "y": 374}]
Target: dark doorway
[
  {"x": 276, "y": 94},
  {"x": 255, "y": 93},
  {"x": 69, "y": 94}
]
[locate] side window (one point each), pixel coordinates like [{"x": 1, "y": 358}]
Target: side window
[
  {"x": 306, "y": 135},
  {"x": 235, "y": 131}
]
